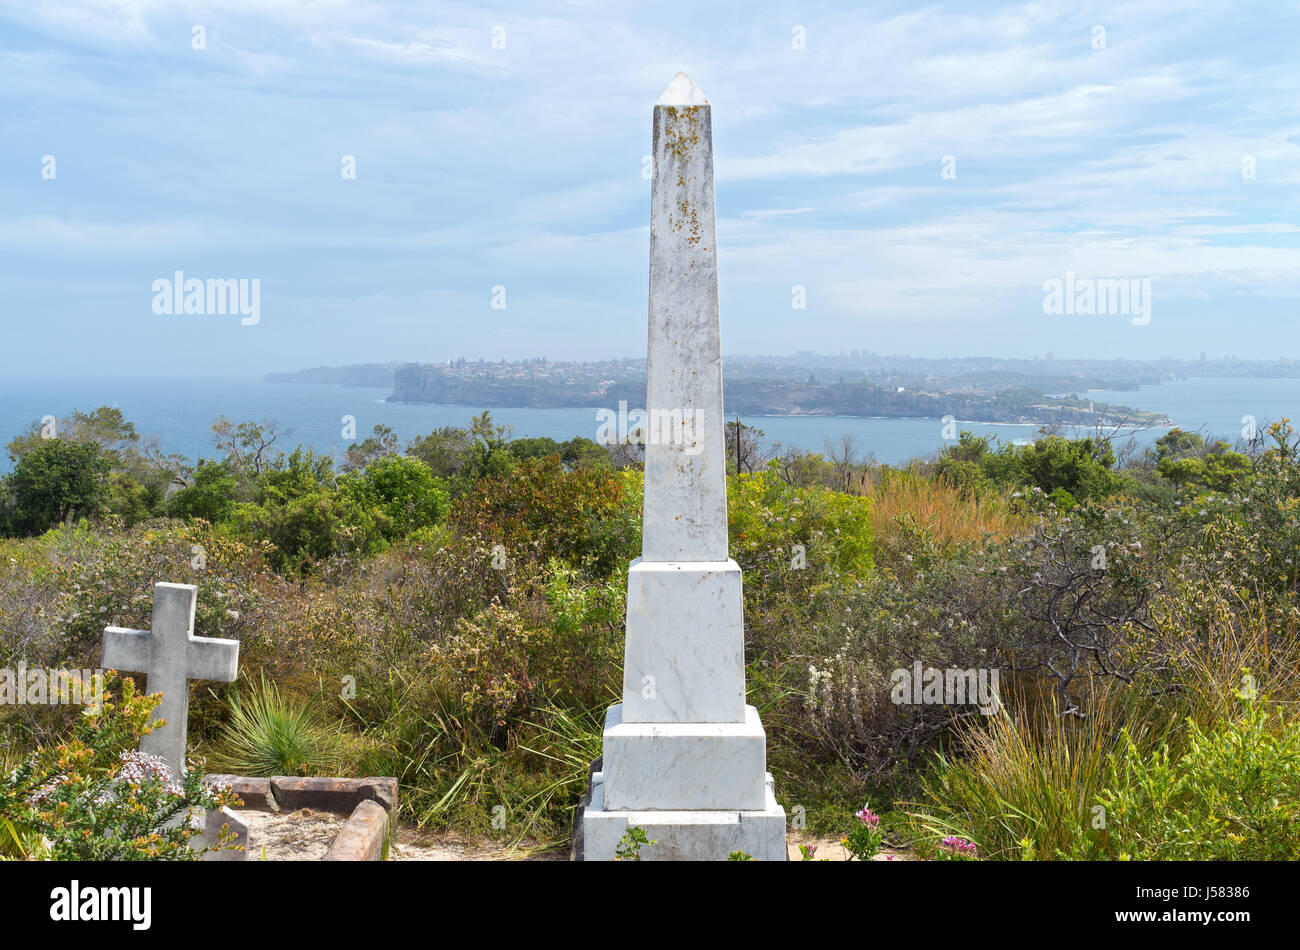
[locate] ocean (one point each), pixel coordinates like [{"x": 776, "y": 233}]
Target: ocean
[{"x": 180, "y": 411}]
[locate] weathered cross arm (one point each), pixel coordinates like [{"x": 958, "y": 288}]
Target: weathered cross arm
[
  {"x": 126, "y": 650},
  {"x": 212, "y": 658}
]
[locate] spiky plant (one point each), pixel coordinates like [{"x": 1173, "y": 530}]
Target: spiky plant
[{"x": 272, "y": 734}]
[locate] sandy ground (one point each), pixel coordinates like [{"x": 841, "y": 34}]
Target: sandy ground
[
  {"x": 302, "y": 835},
  {"x": 306, "y": 835},
  {"x": 413, "y": 845},
  {"x": 830, "y": 849}
]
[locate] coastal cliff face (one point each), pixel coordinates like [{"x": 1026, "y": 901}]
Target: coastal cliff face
[
  {"x": 370, "y": 375},
  {"x": 421, "y": 383},
  {"x": 433, "y": 384}
]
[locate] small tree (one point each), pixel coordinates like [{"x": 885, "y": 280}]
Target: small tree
[
  {"x": 55, "y": 480},
  {"x": 210, "y": 495},
  {"x": 404, "y": 490},
  {"x": 744, "y": 452},
  {"x": 381, "y": 443}
]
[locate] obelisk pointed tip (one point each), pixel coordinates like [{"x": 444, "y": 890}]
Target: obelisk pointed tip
[{"x": 682, "y": 92}]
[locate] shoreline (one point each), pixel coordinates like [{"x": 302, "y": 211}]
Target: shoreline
[{"x": 1166, "y": 422}]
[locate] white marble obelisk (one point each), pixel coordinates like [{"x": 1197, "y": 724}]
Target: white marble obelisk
[{"x": 683, "y": 756}]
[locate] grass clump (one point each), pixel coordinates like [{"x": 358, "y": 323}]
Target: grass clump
[{"x": 269, "y": 733}]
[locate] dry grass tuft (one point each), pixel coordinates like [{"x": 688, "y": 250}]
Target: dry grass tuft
[{"x": 950, "y": 515}]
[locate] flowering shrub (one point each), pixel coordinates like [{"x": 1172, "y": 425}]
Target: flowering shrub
[
  {"x": 863, "y": 842},
  {"x": 768, "y": 518},
  {"x": 955, "y": 848},
  {"x": 487, "y": 662},
  {"x": 93, "y": 798},
  {"x": 75, "y": 580}
]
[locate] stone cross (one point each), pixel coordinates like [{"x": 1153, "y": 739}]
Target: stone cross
[
  {"x": 683, "y": 756},
  {"x": 171, "y": 655}
]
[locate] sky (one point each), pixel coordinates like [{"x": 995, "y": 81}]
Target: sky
[{"x": 921, "y": 172}]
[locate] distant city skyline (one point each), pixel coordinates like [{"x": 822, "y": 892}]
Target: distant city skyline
[
  {"x": 415, "y": 184},
  {"x": 860, "y": 353}
]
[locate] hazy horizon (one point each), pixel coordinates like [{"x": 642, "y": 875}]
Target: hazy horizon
[{"x": 250, "y": 373}]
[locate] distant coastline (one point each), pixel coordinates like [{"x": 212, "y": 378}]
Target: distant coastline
[
  {"x": 856, "y": 384},
  {"x": 180, "y": 413}
]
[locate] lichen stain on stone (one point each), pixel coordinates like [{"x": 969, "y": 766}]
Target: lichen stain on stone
[
  {"x": 681, "y": 135},
  {"x": 682, "y": 129}
]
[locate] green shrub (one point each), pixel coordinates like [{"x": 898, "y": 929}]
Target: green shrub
[
  {"x": 210, "y": 494},
  {"x": 769, "y": 517},
  {"x": 538, "y": 510},
  {"x": 310, "y": 528},
  {"x": 1233, "y": 795},
  {"x": 404, "y": 489},
  {"x": 56, "y": 480},
  {"x": 270, "y": 734},
  {"x": 1175, "y": 765},
  {"x": 1079, "y": 467},
  {"x": 94, "y": 798}
]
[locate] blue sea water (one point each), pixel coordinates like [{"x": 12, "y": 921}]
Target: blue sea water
[{"x": 180, "y": 411}]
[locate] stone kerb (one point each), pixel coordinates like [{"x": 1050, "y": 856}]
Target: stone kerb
[{"x": 370, "y": 803}]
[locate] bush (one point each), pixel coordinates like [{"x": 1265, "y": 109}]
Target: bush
[
  {"x": 488, "y": 663},
  {"x": 538, "y": 511},
  {"x": 1079, "y": 467},
  {"x": 1171, "y": 762},
  {"x": 270, "y": 734},
  {"x": 59, "y": 591},
  {"x": 94, "y": 798},
  {"x": 1234, "y": 795},
  {"x": 210, "y": 495},
  {"x": 404, "y": 490},
  {"x": 57, "y": 480},
  {"x": 769, "y": 518},
  {"x": 311, "y": 528}
]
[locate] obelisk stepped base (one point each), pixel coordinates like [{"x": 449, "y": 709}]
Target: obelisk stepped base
[
  {"x": 685, "y": 654},
  {"x": 684, "y": 765},
  {"x": 697, "y": 835}
]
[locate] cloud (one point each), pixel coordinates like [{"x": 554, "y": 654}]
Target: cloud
[{"x": 522, "y": 165}]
